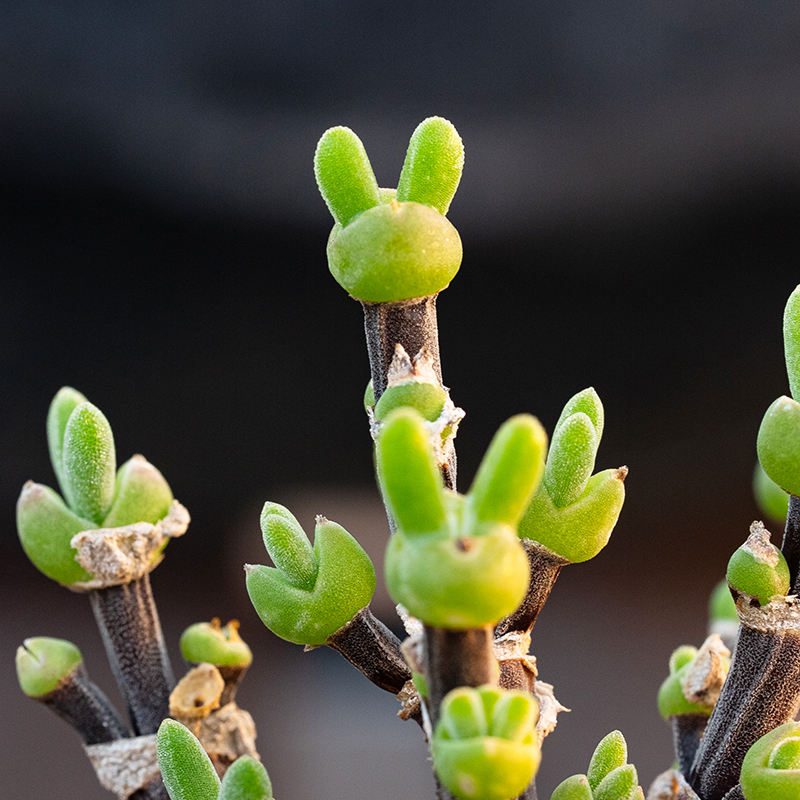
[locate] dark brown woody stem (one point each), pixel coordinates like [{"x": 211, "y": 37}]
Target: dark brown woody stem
[
  {"x": 128, "y": 621},
  {"x": 791, "y": 542},
  {"x": 687, "y": 730}
]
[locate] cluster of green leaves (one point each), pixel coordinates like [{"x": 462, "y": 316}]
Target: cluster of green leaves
[
  {"x": 771, "y": 768},
  {"x": 97, "y": 495},
  {"x": 671, "y": 697}
]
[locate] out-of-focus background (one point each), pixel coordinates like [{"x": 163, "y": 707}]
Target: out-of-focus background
[{"x": 629, "y": 214}]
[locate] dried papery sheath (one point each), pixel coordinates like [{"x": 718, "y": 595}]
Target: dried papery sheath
[
  {"x": 762, "y": 691},
  {"x": 671, "y": 785},
  {"x": 128, "y": 768},
  {"x": 196, "y": 695},
  {"x": 226, "y": 734}
]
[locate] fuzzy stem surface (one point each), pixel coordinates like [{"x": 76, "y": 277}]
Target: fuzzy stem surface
[
  {"x": 791, "y": 542},
  {"x": 128, "y": 621},
  {"x": 687, "y": 730}
]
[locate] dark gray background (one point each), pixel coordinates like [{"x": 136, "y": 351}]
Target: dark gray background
[{"x": 629, "y": 215}]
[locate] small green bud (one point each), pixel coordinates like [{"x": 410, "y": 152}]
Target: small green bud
[
  {"x": 434, "y": 162},
  {"x": 246, "y": 779},
  {"x": 573, "y": 788},
  {"x": 791, "y": 341},
  {"x": 586, "y": 402},
  {"x": 758, "y": 568},
  {"x": 671, "y": 699},
  {"x": 42, "y": 663},
  {"x": 88, "y": 463},
  {"x": 63, "y": 404},
  {"x": 770, "y": 498},
  {"x": 771, "y": 768},
  {"x": 46, "y": 527},
  {"x": 486, "y": 756},
  {"x": 611, "y": 753},
  {"x": 295, "y": 608},
  {"x": 141, "y": 494},
  {"x": 427, "y": 398},
  {"x": 185, "y": 767},
  {"x": 721, "y": 605},
  {"x": 344, "y": 174},
  {"x": 369, "y": 396},
  {"x": 209, "y": 643},
  {"x": 778, "y": 444},
  {"x": 579, "y": 531},
  {"x": 620, "y": 784},
  {"x": 571, "y": 459}
]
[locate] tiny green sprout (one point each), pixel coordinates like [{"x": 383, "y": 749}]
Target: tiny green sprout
[
  {"x": 140, "y": 495},
  {"x": 770, "y": 498},
  {"x": 455, "y": 560},
  {"x": 387, "y": 246},
  {"x": 758, "y": 568},
  {"x": 611, "y": 753},
  {"x": 771, "y": 768},
  {"x": 185, "y": 766},
  {"x": 210, "y": 643},
  {"x": 43, "y": 663},
  {"x": 573, "y": 512},
  {"x": 778, "y": 444},
  {"x": 427, "y": 398},
  {"x": 721, "y": 605},
  {"x": 671, "y": 698},
  {"x": 791, "y": 341},
  {"x": 369, "y": 396},
  {"x": 63, "y": 404},
  {"x": 484, "y": 746},
  {"x": 311, "y": 592},
  {"x": 575, "y": 787},
  {"x": 246, "y": 779}
]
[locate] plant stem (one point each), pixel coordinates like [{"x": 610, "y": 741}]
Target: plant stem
[
  {"x": 687, "y": 730},
  {"x": 84, "y": 706},
  {"x": 762, "y": 691},
  {"x": 373, "y": 650},
  {"x": 545, "y": 567},
  {"x": 791, "y": 542},
  {"x": 411, "y": 323},
  {"x": 232, "y": 677},
  {"x": 128, "y": 621}
]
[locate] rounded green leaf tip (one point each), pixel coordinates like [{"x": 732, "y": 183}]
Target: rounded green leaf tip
[
  {"x": 671, "y": 699},
  {"x": 344, "y": 174},
  {"x": 778, "y": 444},
  {"x": 484, "y": 746},
  {"x": 288, "y": 546},
  {"x": 434, "y": 162},
  {"x": 612, "y": 752},
  {"x": 791, "y": 341},
  {"x": 185, "y": 767},
  {"x": 46, "y": 527},
  {"x": 393, "y": 252},
  {"x": 246, "y": 779},
  {"x": 427, "y": 398},
  {"x": 758, "y": 568},
  {"x": 571, "y": 459},
  {"x": 42, "y": 663},
  {"x": 210, "y": 643},
  {"x": 620, "y": 784},
  {"x": 344, "y": 584},
  {"x": 89, "y": 463},
  {"x": 575, "y": 787},
  {"x": 63, "y": 404},
  {"x": 140, "y": 495},
  {"x": 770, "y": 498},
  {"x": 771, "y": 768},
  {"x": 721, "y": 605}
]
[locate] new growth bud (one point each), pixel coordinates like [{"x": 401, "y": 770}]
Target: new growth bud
[
  {"x": 455, "y": 560},
  {"x": 778, "y": 444},
  {"x": 211, "y": 643},
  {"x": 311, "y": 592},
  {"x": 388, "y": 246},
  {"x": 484, "y": 746},
  {"x": 246, "y": 779},
  {"x": 43, "y": 663},
  {"x": 758, "y": 568},
  {"x": 573, "y": 512},
  {"x": 771, "y": 768}
]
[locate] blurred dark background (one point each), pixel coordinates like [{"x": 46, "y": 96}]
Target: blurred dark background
[{"x": 629, "y": 213}]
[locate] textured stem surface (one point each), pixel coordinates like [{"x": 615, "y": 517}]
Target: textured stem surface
[
  {"x": 762, "y": 691},
  {"x": 791, "y": 542},
  {"x": 373, "y": 650},
  {"x": 232, "y": 677},
  {"x": 545, "y": 567},
  {"x": 84, "y": 706},
  {"x": 128, "y": 621},
  {"x": 687, "y": 730}
]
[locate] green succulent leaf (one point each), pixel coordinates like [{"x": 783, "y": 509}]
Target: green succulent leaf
[
  {"x": 581, "y": 530},
  {"x": 344, "y": 174},
  {"x": 63, "y": 404},
  {"x": 246, "y": 779},
  {"x": 671, "y": 699},
  {"x": 140, "y": 495},
  {"x": 571, "y": 459},
  {"x": 791, "y": 341},
  {"x": 513, "y": 716},
  {"x": 770, "y": 498},
  {"x": 575, "y": 787},
  {"x": 288, "y": 546},
  {"x": 610, "y": 754},
  {"x": 344, "y": 585},
  {"x": 426, "y": 398},
  {"x": 721, "y": 605},
  {"x": 771, "y": 768},
  {"x": 779, "y": 444},
  {"x": 619, "y": 784},
  {"x": 43, "y": 662},
  {"x": 210, "y": 643},
  {"x": 46, "y": 527},
  {"x": 585, "y": 402},
  {"x": 89, "y": 463},
  {"x": 758, "y": 568},
  {"x": 463, "y": 714},
  {"x": 434, "y": 162},
  {"x": 185, "y": 767},
  {"x": 686, "y": 653}
]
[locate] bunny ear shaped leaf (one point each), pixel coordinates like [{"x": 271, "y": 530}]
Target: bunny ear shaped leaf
[
  {"x": 344, "y": 174},
  {"x": 246, "y": 779},
  {"x": 586, "y": 402},
  {"x": 434, "y": 162},
  {"x": 63, "y": 404}
]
